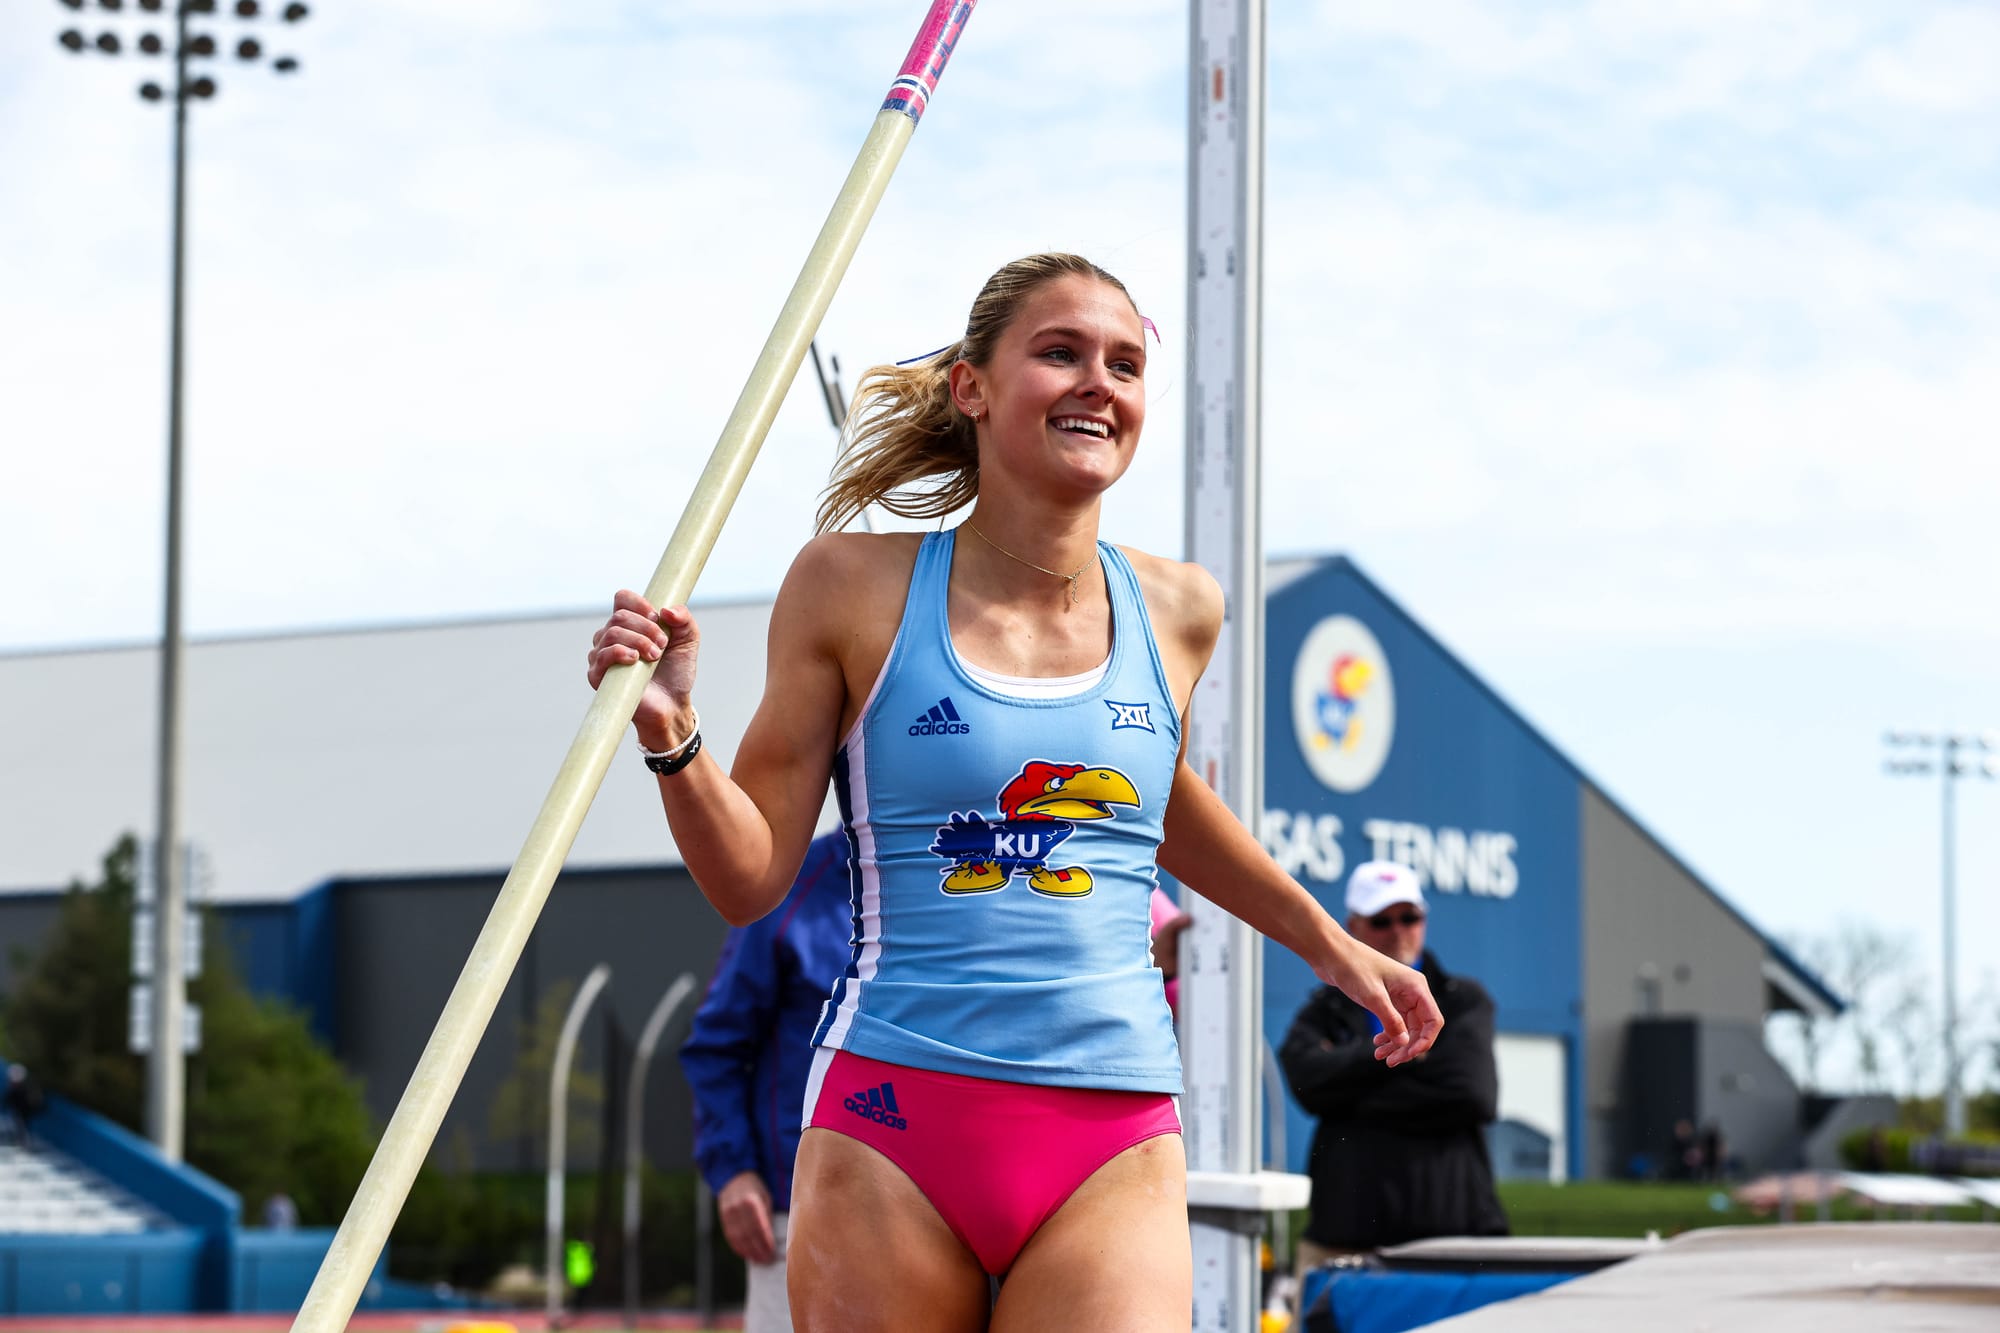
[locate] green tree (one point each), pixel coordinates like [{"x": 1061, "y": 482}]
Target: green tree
[
  {"x": 520, "y": 1106},
  {"x": 269, "y": 1109},
  {"x": 67, "y": 1014}
]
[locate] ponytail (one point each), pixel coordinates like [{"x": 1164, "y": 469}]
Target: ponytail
[{"x": 901, "y": 428}]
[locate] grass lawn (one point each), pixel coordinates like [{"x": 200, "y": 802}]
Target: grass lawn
[{"x": 1632, "y": 1208}]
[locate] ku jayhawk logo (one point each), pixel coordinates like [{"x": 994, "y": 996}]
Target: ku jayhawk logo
[
  {"x": 1039, "y": 809},
  {"x": 1338, "y": 703}
]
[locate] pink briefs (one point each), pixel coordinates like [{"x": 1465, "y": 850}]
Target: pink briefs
[{"x": 995, "y": 1159}]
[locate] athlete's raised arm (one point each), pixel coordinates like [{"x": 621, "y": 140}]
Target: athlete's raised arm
[
  {"x": 743, "y": 834},
  {"x": 1206, "y": 847}
]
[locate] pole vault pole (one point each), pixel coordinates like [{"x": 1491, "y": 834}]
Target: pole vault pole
[{"x": 412, "y": 1128}]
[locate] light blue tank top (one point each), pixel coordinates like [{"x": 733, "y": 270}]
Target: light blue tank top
[{"x": 1002, "y": 853}]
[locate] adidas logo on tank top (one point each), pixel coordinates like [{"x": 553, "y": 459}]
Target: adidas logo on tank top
[{"x": 940, "y": 720}]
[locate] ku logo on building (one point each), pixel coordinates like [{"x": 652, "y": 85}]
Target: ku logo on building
[
  {"x": 1343, "y": 703},
  {"x": 1339, "y": 702},
  {"x": 1039, "y": 809}
]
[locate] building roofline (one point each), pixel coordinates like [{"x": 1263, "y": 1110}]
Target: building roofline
[
  {"x": 1780, "y": 957},
  {"x": 362, "y": 878},
  {"x": 471, "y": 621},
  {"x": 38, "y": 891},
  {"x": 473, "y": 877}
]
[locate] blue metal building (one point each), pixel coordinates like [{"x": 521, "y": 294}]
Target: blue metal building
[{"x": 1591, "y": 935}]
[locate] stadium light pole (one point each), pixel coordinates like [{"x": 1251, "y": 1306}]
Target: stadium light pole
[
  {"x": 1947, "y": 754},
  {"x": 166, "y": 1059}
]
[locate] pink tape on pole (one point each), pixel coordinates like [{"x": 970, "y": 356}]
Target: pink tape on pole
[{"x": 918, "y": 79}]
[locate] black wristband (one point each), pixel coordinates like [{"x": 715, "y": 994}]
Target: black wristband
[{"x": 666, "y": 765}]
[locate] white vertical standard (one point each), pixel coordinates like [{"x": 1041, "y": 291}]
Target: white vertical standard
[
  {"x": 1221, "y": 982},
  {"x": 635, "y": 1124},
  {"x": 599, "y": 977}
]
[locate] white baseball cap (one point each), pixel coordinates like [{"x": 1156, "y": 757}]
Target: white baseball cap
[{"x": 1375, "y": 885}]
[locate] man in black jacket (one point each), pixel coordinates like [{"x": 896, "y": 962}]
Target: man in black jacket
[{"x": 1399, "y": 1154}]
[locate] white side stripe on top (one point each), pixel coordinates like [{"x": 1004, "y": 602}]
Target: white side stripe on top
[
  {"x": 868, "y": 960},
  {"x": 855, "y": 745},
  {"x": 816, "y": 1077}
]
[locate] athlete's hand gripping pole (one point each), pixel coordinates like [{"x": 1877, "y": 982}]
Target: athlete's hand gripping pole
[{"x": 408, "y": 1138}]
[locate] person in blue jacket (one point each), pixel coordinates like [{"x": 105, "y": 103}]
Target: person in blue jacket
[{"x": 746, "y": 1060}]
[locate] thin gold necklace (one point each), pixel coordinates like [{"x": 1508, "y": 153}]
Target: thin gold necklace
[{"x": 1056, "y": 573}]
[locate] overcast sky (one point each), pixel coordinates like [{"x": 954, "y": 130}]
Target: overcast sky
[{"x": 1649, "y": 354}]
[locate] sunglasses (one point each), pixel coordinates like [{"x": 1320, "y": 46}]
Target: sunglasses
[{"x": 1407, "y": 917}]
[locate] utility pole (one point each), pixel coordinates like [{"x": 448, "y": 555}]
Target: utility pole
[{"x": 1950, "y": 766}]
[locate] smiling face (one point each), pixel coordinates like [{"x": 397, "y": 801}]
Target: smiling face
[{"x": 1062, "y": 398}]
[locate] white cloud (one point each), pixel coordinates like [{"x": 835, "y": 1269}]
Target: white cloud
[{"x": 1512, "y": 332}]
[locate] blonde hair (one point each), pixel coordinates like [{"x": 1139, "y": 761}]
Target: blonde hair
[{"x": 904, "y": 427}]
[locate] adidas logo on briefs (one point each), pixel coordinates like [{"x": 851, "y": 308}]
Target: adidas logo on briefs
[
  {"x": 879, "y": 1105},
  {"x": 941, "y": 720}
]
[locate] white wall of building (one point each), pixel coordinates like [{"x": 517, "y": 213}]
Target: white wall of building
[
  {"x": 1534, "y": 1089},
  {"x": 353, "y": 752}
]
